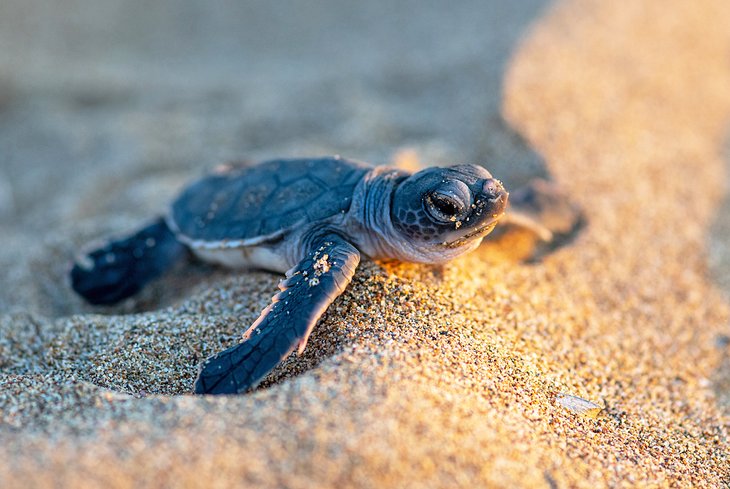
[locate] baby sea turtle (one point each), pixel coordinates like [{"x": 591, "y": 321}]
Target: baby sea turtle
[{"x": 309, "y": 218}]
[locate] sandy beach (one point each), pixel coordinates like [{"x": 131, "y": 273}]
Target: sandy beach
[{"x": 417, "y": 376}]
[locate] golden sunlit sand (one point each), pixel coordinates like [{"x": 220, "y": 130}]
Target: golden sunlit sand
[{"x": 599, "y": 365}]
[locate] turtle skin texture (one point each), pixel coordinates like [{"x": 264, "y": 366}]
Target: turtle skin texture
[
  {"x": 122, "y": 267},
  {"x": 286, "y": 323}
]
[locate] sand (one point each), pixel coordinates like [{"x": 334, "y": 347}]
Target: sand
[{"x": 418, "y": 376}]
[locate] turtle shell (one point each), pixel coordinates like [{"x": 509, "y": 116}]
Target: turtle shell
[{"x": 252, "y": 204}]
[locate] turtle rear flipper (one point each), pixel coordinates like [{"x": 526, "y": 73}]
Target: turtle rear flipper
[{"x": 122, "y": 267}]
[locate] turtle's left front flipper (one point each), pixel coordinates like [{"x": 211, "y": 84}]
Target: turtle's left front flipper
[
  {"x": 310, "y": 287},
  {"x": 543, "y": 208}
]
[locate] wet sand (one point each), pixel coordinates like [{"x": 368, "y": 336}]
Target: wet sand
[{"x": 417, "y": 376}]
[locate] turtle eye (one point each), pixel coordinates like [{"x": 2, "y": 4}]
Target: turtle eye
[{"x": 444, "y": 207}]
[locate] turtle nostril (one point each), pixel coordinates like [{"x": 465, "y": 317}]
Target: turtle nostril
[
  {"x": 495, "y": 195},
  {"x": 493, "y": 188}
]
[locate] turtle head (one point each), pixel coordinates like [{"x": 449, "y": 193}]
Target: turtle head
[{"x": 444, "y": 212}]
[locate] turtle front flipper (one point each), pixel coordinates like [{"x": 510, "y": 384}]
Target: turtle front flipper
[
  {"x": 544, "y": 209},
  {"x": 122, "y": 267},
  {"x": 310, "y": 287}
]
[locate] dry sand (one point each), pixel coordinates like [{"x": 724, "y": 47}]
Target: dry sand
[{"x": 417, "y": 376}]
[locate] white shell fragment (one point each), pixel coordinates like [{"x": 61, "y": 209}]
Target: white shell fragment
[{"x": 579, "y": 405}]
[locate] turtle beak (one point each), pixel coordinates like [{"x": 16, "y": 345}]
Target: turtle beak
[{"x": 494, "y": 196}]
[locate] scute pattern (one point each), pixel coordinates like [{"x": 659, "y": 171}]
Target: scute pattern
[{"x": 247, "y": 202}]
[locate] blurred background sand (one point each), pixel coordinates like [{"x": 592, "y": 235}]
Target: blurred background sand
[{"x": 418, "y": 376}]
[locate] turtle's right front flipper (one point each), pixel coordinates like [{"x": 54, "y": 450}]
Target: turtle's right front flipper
[
  {"x": 284, "y": 325},
  {"x": 121, "y": 268}
]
